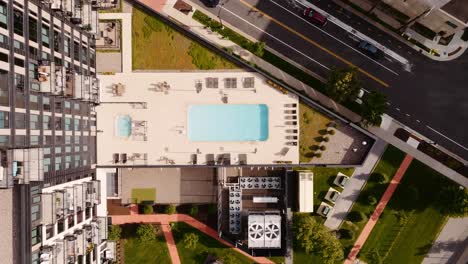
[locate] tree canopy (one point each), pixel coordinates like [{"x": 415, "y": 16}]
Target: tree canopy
[
  {"x": 373, "y": 107},
  {"x": 343, "y": 84},
  {"x": 190, "y": 240},
  {"x": 146, "y": 232},
  {"x": 453, "y": 201},
  {"x": 316, "y": 238}
]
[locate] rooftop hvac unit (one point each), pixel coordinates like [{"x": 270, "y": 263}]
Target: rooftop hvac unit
[
  {"x": 272, "y": 231},
  {"x": 256, "y": 231}
]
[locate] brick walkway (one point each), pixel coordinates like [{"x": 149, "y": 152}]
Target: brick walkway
[
  {"x": 379, "y": 209},
  {"x": 165, "y": 219}
]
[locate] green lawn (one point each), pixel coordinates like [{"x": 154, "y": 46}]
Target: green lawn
[
  {"x": 137, "y": 252},
  {"x": 157, "y": 46},
  {"x": 206, "y": 246},
  {"x": 411, "y": 221},
  {"x": 144, "y": 195},
  {"x": 388, "y": 165},
  {"x": 277, "y": 260},
  {"x": 310, "y": 123}
]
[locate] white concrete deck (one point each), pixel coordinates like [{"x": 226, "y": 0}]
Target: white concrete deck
[{"x": 166, "y": 117}]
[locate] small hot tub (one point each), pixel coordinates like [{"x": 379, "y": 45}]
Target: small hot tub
[{"x": 123, "y": 126}]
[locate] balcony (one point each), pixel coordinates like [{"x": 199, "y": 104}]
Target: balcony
[
  {"x": 95, "y": 90},
  {"x": 101, "y": 228},
  {"x": 108, "y": 254},
  {"x": 51, "y": 77},
  {"x": 70, "y": 249},
  {"x": 80, "y": 193},
  {"x": 53, "y": 254},
  {"x": 21, "y": 166},
  {"x": 70, "y": 199},
  {"x": 80, "y": 242},
  {"x": 49, "y": 215},
  {"x": 93, "y": 193},
  {"x": 63, "y": 203},
  {"x": 71, "y": 83}
]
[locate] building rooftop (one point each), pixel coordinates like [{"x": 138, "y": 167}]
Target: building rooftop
[
  {"x": 458, "y": 9},
  {"x": 147, "y": 117}
]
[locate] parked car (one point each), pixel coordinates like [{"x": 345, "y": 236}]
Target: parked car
[
  {"x": 315, "y": 17},
  {"x": 211, "y": 3},
  {"x": 370, "y": 49}
]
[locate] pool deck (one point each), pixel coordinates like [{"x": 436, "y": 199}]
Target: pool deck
[{"x": 165, "y": 119}]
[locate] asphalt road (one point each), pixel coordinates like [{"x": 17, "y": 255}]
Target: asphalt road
[{"x": 431, "y": 99}]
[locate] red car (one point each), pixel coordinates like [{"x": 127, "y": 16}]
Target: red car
[{"x": 315, "y": 17}]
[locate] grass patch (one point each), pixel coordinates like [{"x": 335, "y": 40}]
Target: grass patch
[
  {"x": 311, "y": 123},
  {"x": 205, "y": 246},
  {"x": 137, "y": 252},
  {"x": 388, "y": 165},
  {"x": 411, "y": 220},
  {"x": 144, "y": 195},
  {"x": 157, "y": 46}
]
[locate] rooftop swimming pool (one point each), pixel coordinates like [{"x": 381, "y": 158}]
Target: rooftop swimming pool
[
  {"x": 228, "y": 123},
  {"x": 123, "y": 126}
]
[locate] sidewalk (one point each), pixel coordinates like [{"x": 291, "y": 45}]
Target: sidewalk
[
  {"x": 452, "y": 51},
  {"x": 165, "y": 219},
  {"x": 450, "y": 244},
  {"x": 354, "y": 186},
  {"x": 379, "y": 209}
]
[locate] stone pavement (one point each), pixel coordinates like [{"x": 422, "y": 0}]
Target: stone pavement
[
  {"x": 361, "y": 240},
  {"x": 451, "y": 243},
  {"x": 354, "y": 186},
  {"x": 171, "y": 245},
  {"x": 165, "y": 219}
]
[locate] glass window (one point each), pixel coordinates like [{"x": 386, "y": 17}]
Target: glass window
[
  {"x": 67, "y": 162},
  {"x": 58, "y": 163},
  {"x": 77, "y": 148},
  {"x": 46, "y": 164},
  {"x": 76, "y": 140},
  {"x": 36, "y": 235},
  {"x": 46, "y": 103},
  {"x": 68, "y": 149},
  {"x": 45, "y": 35},
  {"x": 76, "y": 124},
  {"x": 4, "y": 140},
  {"x": 20, "y": 121},
  {"x": 85, "y": 147},
  {"x": 33, "y": 29},
  {"x": 58, "y": 150},
  {"x": 18, "y": 22},
  {"x": 46, "y": 125},
  {"x": 35, "y": 258},
  {"x": 67, "y": 105},
  {"x": 3, "y": 14},
  {"x": 34, "y": 121},
  {"x": 36, "y": 199},
  {"x": 76, "y": 106},
  {"x": 46, "y": 151},
  {"x": 35, "y": 140},
  {"x": 4, "y": 119},
  {"x": 67, "y": 139},
  {"x": 68, "y": 123}
]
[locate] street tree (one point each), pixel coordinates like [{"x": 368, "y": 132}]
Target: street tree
[
  {"x": 343, "y": 84},
  {"x": 373, "y": 107},
  {"x": 453, "y": 201}
]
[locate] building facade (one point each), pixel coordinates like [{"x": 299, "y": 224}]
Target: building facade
[{"x": 48, "y": 91}]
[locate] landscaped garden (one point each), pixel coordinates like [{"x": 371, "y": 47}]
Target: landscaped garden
[
  {"x": 144, "y": 243},
  {"x": 370, "y": 196},
  {"x": 157, "y": 46},
  {"x": 196, "y": 247},
  {"x": 313, "y": 130},
  {"x": 414, "y": 216}
]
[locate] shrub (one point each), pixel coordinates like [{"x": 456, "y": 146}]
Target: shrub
[
  {"x": 331, "y": 132},
  {"x": 148, "y": 209},
  {"x": 378, "y": 177},
  {"x": 310, "y": 154},
  {"x": 170, "y": 209},
  {"x": 190, "y": 240},
  {"x": 323, "y": 132},
  {"x": 193, "y": 210},
  {"x": 115, "y": 232},
  {"x": 146, "y": 233},
  {"x": 371, "y": 200},
  {"x": 326, "y": 139},
  {"x": 318, "y": 155},
  {"x": 323, "y": 148},
  {"x": 346, "y": 233},
  {"x": 356, "y": 216},
  {"x": 314, "y": 147}
]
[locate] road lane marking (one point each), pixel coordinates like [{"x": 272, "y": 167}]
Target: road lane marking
[
  {"x": 458, "y": 144},
  {"x": 315, "y": 44},
  {"x": 277, "y": 39},
  {"x": 333, "y": 37}
]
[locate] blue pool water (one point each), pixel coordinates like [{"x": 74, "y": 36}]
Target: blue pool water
[
  {"x": 124, "y": 126},
  {"x": 247, "y": 122}
]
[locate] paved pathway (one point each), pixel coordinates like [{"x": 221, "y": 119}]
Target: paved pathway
[
  {"x": 165, "y": 219},
  {"x": 171, "y": 245},
  {"x": 379, "y": 209},
  {"x": 451, "y": 243},
  {"x": 354, "y": 186}
]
